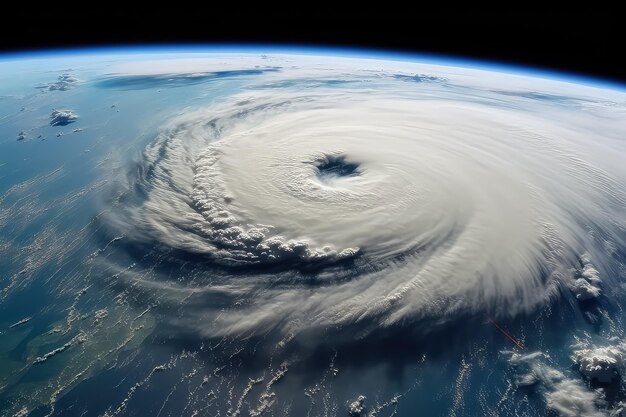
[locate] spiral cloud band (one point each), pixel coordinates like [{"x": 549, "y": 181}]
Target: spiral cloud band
[{"x": 391, "y": 199}]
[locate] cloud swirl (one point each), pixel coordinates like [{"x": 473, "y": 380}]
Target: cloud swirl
[{"x": 385, "y": 202}]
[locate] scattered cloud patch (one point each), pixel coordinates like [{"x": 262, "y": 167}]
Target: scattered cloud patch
[
  {"x": 65, "y": 82},
  {"x": 357, "y": 407},
  {"x": 602, "y": 364},
  {"x": 62, "y": 117},
  {"x": 565, "y": 396},
  {"x": 571, "y": 399},
  {"x": 586, "y": 283}
]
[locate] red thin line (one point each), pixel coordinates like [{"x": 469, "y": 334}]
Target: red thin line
[{"x": 506, "y": 334}]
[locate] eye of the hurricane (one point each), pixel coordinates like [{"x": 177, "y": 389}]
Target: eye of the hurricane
[{"x": 334, "y": 167}]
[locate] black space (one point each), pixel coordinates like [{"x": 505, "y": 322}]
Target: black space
[{"x": 585, "y": 41}]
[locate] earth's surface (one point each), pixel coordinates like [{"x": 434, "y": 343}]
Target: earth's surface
[{"x": 308, "y": 233}]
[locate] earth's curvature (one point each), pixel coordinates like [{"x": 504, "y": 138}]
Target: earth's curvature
[{"x": 247, "y": 232}]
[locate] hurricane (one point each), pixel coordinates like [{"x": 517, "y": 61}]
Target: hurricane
[
  {"x": 384, "y": 202},
  {"x": 255, "y": 232}
]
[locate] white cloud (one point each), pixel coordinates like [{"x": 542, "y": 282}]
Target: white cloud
[
  {"x": 63, "y": 83},
  {"x": 566, "y": 396},
  {"x": 467, "y": 199},
  {"x": 357, "y": 407},
  {"x": 603, "y": 364},
  {"x": 571, "y": 399},
  {"x": 587, "y": 285},
  {"x": 62, "y": 117},
  {"x": 584, "y": 290}
]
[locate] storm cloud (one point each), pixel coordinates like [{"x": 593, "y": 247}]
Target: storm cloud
[{"x": 380, "y": 203}]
